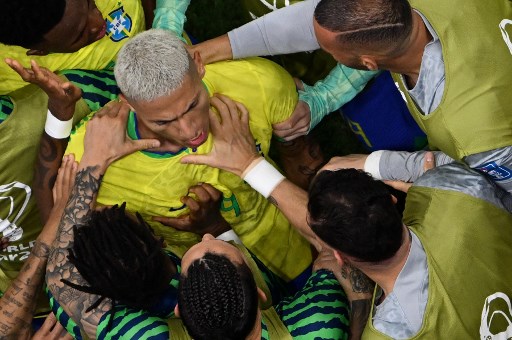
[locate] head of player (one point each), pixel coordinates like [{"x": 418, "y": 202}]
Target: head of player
[
  {"x": 162, "y": 83},
  {"x": 217, "y": 296},
  {"x": 121, "y": 259},
  {"x": 355, "y": 215},
  {"x": 364, "y": 34},
  {"x": 51, "y": 26}
]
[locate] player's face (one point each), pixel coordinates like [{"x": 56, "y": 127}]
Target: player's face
[
  {"x": 178, "y": 120},
  {"x": 211, "y": 245},
  {"x": 81, "y": 25},
  {"x": 328, "y": 42}
]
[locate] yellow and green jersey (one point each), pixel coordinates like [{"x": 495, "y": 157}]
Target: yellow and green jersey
[
  {"x": 124, "y": 18},
  {"x": 153, "y": 183}
]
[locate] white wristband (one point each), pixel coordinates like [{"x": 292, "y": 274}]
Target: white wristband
[
  {"x": 229, "y": 235},
  {"x": 263, "y": 178},
  {"x": 57, "y": 128}
]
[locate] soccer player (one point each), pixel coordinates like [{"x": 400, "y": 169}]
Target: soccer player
[{"x": 170, "y": 94}]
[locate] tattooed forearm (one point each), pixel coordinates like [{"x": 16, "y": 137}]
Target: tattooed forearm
[
  {"x": 48, "y": 162},
  {"x": 77, "y": 213},
  {"x": 359, "y": 313},
  {"x": 19, "y": 301}
]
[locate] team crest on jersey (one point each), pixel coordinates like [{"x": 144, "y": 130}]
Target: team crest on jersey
[
  {"x": 497, "y": 172},
  {"x": 119, "y": 24}
]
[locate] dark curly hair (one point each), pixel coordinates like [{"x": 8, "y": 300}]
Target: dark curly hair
[
  {"x": 25, "y": 22},
  {"x": 121, "y": 259},
  {"x": 218, "y": 299}
]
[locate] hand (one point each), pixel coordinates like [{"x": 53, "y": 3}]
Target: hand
[
  {"x": 355, "y": 161},
  {"x": 233, "y": 148},
  {"x": 106, "y": 140},
  {"x": 62, "y": 96},
  {"x": 428, "y": 164},
  {"x": 327, "y": 260},
  {"x": 61, "y": 191},
  {"x": 295, "y": 126},
  {"x": 52, "y": 330},
  {"x": 204, "y": 216}
]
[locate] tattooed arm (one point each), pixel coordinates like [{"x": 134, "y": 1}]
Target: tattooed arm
[
  {"x": 62, "y": 97},
  {"x": 105, "y": 141},
  {"x": 19, "y": 301}
]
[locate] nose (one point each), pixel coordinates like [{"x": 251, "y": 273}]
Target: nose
[
  {"x": 187, "y": 128},
  {"x": 208, "y": 237}
]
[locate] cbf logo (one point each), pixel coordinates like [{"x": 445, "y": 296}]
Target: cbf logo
[
  {"x": 119, "y": 25},
  {"x": 14, "y": 198}
]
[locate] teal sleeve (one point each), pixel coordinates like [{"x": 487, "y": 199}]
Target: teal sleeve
[
  {"x": 170, "y": 15},
  {"x": 339, "y": 87}
]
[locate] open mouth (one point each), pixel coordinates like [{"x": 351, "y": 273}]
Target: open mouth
[{"x": 200, "y": 139}]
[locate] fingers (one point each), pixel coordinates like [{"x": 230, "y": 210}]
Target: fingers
[
  {"x": 65, "y": 178},
  {"x": 430, "y": 162},
  {"x": 180, "y": 223},
  {"x": 197, "y": 159},
  {"x": 25, "y": 73},
  {"x": 205, "y": 192},
  {"x": 52, "y": 330},
  {"x": 399, "y": 185},
  {"x": 295, "y": 126}
]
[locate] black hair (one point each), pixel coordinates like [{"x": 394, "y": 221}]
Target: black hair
[
  {"x": 218, "y": 299},
  {"x": 25, "y": 22},
  {"x": 121, "y": 259},
  {"x": 368, "y": 23},
  {"x": 355, "y": 214}
]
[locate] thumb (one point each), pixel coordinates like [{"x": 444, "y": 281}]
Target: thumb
[
  {"x": 142, "y": 144},
  {"x": 72, "y": 90},
  {"x": 197, "y": 159}
]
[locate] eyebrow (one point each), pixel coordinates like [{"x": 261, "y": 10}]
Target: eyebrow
[{"x": 189, "y": 107}]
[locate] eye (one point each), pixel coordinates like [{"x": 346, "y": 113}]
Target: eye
[{"x": 162, "y": 122}]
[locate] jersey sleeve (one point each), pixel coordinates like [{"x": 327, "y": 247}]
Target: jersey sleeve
[
  {"x": 338, "y": 88},
  {"x": 286, "y": 30},
  {"x": 319, "y": 310},
  {"x": 170, "y": 15}
]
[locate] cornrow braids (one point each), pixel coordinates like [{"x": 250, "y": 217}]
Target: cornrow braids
[
  {"x": 218, "y": 299},
  {"x": 25, "y": 22},
  {"x": 121, "y": 259}
]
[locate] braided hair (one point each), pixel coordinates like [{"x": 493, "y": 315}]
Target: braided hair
[
  {"x": 121, "y": 259},
  {"x": 25, "y": 22},
  {"x": 218, "y": 299}
]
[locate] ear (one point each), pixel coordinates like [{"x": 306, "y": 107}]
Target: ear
[
  {"x": 339, "y": 259},
  {"x": 262, "y": 295},
  {"x": 199, "y": 64},
  {"x": 177, "y": 311},
  {"x": 369, "y": 62},
  {"x": 37, "y": 52},
  {"x": 123, "y": 99},
  {"x": 394, "y": 199}
]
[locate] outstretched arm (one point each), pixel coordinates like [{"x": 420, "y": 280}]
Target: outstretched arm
[
  {"x": 105, "y": 141},
  {"x": 62, "y": 97},
  {"x": 19, "y": 301}
]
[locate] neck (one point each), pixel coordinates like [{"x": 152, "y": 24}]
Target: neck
[
  {"x": 408, "y": 62},
  {"x": 385, "y": 273},
  {"x": 256, "y": 331}
]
